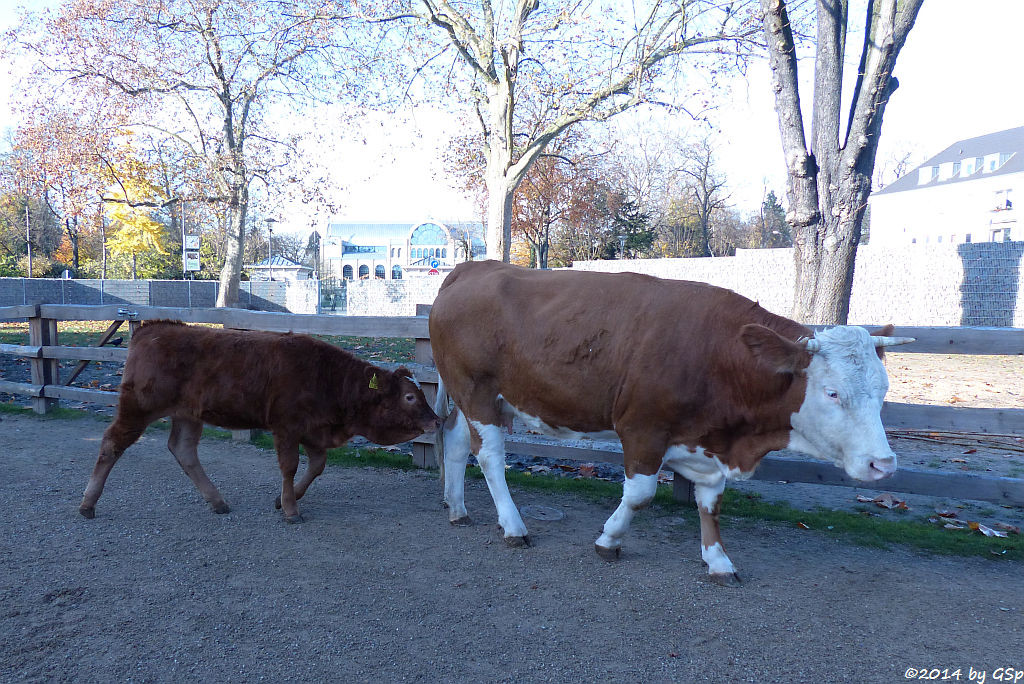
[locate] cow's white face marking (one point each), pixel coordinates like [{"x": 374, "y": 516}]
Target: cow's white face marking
[{"x": 840, "y": 419}]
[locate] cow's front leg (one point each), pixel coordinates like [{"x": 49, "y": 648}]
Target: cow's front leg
[
  {"x": 288, "y": 461},
  {"x": 637, "y": 492},
  {"x": 492, "y": 462},
  {"x": 317, "y": 458},
  {"x": 709, "y": 500}
]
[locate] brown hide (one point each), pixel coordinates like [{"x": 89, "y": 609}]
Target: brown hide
[
  {"x": 662, "y": 362},
  {"x": 293, "y": 385}
]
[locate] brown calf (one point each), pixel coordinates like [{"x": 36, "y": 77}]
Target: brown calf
[{"x": 306, "y": 392}]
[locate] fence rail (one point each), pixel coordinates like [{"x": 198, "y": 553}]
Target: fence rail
[{"x": 44, "y": 351}]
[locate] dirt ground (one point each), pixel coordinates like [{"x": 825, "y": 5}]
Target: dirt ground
[{"x": 376, "y": 586}]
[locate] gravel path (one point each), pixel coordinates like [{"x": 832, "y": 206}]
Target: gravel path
[{"x": 378, "y": 587}]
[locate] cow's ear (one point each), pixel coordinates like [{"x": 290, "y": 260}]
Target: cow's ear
[
  {"x": 403, "y": 372},
  {"x": 771, "y": 349},
  {"x": 885, "y": 331}
]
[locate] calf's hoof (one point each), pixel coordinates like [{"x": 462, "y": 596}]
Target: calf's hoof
[
  {"x": 221, "y": 507},
  {"x": 87, "y": 512},
  {"x": 608, "y": 554},
  {"x": 725, "y": 579},
  {"x": 294, "y": 519},
  {"x": 518, "y": 542},
  {"x": 464, "y": 521}
]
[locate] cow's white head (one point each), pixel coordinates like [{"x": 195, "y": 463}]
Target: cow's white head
[{"x": 839, "y": 419}]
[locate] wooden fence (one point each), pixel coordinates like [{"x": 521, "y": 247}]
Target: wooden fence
[{"x": 45, "y": 389}]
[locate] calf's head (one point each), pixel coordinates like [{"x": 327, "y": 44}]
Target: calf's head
[
  {"x": 396, "y": 410},
  {"x": 839, "y": 418}
]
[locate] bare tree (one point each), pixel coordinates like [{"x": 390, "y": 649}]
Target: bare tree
[
  {"x": 705, "y": 190},
  {"x": 830, "y": 178},
  {"x": 201, "y": 72},
  {"x": 567, "y": 62}
]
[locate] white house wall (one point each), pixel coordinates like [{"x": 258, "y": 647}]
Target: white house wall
[{"x": 948, "y": 211}]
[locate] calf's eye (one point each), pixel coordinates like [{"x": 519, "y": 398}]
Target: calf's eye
[
  {"x": 411, "y": 398},
  {"x": 832, "y": 394}
]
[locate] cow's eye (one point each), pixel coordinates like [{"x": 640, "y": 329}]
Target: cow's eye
[
  {"x": 832, "y": 394},
  {"x": 410, "y": 398}
]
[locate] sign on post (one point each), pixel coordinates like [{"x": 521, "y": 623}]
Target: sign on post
[{"x": 190, "y": 247}]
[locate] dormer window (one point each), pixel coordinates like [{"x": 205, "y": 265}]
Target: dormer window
[
  {"x": 979, "y": 164},
  {"x": 956, "y": 169},
  {"x": 935, "y": 173}
]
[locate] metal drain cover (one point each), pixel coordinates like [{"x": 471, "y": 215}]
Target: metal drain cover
[{"x": 546, "y": 513}]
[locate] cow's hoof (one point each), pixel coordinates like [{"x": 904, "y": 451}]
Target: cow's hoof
[
  {"x": 518, "y": 542},
  {"x": 608, "y": 554},
  {"x": 87, "y": 512},
  {"x": 294, "y": 519},
  {"x": 464, "y": 521},
  {"x": 221, "y": 507},
  {"x": 277, "y": 503},
  {"x": 725, "y": 579}
]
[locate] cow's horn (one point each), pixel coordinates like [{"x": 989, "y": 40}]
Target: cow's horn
[
  {"x": 880, "y": 341},
  {"x": 810, "y": 344}
]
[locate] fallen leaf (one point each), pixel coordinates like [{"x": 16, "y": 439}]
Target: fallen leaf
[
  {"x": 955, "y": 399},
  {"x": 885, "y": 500},
  {"x": 587, "y": 470},
  {"x": 989, "y": 532},
  {"x": 953, "y": 526},
  {"x": 971, "y": 451},
  {"x": 946, "y": 514},
  {"x": 958, "y": 460},
  {"x": 1012, "y": 529},
  {"x": 803, "y": 526}
]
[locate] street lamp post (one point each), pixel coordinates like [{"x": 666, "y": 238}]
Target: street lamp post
[
  {"x": 622, "y": 246},
  {"x": 270, "y": 245}
]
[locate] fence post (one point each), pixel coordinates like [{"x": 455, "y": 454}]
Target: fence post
[
  {"x": 424, "y": 452},
  {"x": 682, "y": 490},
  {"x": 43, "y": 332}
]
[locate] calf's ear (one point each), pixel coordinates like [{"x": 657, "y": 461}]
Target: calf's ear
[
  {"x": 771, "y": 349},
  {"x": 885, "y": 331},
  {"x": 403, "y": 372}
]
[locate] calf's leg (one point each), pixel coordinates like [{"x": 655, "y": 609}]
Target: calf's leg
[
  {"x": 456, "y": 456},
  {"x": 720, "y": 568},
  {"x": 126, "y": 429},
  {"x": 492, "y": 462},
  {"x": 637, "y": 492},
  {"x": 317, "y": 462},
  {"x": 184, "y": 444},
  {"x": 288, "y": 460}
]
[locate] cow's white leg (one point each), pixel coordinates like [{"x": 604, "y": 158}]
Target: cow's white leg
[
  {"x": 492, "y": 463},
  {"x": 709, "y": 500},
  {"x": 456, "y": 456},
  {"x": 637, "y": 492}
]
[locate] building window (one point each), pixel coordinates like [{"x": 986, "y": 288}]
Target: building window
[
  {"x": 956, "y": 169},
  {"x": 346, "y": 273},
  {"x": 967, "y": 238},
  {"x": 935, "y": 173},
  {"x": 938, "y": 239},
  {"x": 913, "y": 241},
  {"x": 979, "y": 164},
  {"x": 1004, "y": 157},
  {"x": 399, "y": 252},
  {"x": 364, "y": 272},
  {"x": 444, "y": 253},
  {"x": 378, "y": 272},
  {"x": 396, "y": 272}
]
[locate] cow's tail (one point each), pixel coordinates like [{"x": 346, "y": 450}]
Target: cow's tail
[{"x": 442, "y": 411}]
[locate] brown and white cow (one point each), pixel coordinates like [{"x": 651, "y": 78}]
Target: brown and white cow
[
  {"x": 305, "y": 391},
  {"x": 688, "y": 376}
]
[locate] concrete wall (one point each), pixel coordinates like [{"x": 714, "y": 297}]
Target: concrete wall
[
  {"x": 390, "y": 297},
  {"x": 295, "y": 297}
]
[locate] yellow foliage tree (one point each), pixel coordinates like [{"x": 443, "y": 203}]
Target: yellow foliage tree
[{"x": 129, "y": 208}]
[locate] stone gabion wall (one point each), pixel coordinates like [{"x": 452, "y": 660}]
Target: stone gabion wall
[
  {"x": 974, "y": 284},
  {"x": 296, "y": 297},
  {"x": 390, "y": 297}
]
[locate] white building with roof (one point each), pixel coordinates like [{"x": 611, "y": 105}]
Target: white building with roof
[
  {"x": 393, "y": 251},
  {"x": 963, "y": 194},
  {"x": 278, "y": 268}
]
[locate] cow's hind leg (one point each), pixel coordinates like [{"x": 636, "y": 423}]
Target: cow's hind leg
[
  {"x": 184, "y": 444},
  {"x": 317, "y": 462},
  {"x": 492, "y": 462},
  {"x": 119, "y": 435},
  {"x": 720, "y": 568},
  {"x": 456, "y": 456},
  {"x": 637, "y": 492}
]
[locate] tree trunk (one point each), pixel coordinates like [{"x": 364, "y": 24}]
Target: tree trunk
[
  {"x": 500, "y": 188},
  {"x": 227, "y": 293}
]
